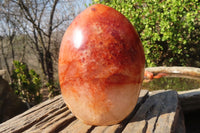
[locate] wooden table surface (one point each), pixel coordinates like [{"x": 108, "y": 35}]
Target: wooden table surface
[{"x": 155, "y": 112}]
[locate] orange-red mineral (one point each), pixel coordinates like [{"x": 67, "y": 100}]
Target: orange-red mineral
[{"x": 101, "y": 66}]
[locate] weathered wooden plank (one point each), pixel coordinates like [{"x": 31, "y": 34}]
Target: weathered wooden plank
[
  {"x": 190, "y": 100},
  {"x": 77, "y": 127},
  {"x": 58, "y": 125},
  {"x": 53, "y": 121},
  {"x": 50, "y": 116},
  {"x": 72, "y": 128},
  {"x": 119, "y": 127},
  {"x": 167, "y": 113},
  {"x": 179, "y": 123},
  {"x": 157, "y": 114},
  {"x": 34, "y": 115}
]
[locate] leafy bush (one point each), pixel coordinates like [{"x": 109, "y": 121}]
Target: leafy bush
[
  {"x": 26, "y": 84},
  {"x": 169, "y": 29},
  {"x": 53, "y": 89}
]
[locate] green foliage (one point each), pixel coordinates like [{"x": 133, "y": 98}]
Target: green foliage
[
  {"x": 26, "y": 84},
  {"x": 53, "y": 89},
  {"x": 169, "y": 29}
]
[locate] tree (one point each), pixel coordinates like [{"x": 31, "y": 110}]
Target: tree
[
  {"x": 38, "y": 27},
  {"x": 37, "y": 20},
  {"x": 8, "y": 33},
  {"x": 40, "y": 38}
]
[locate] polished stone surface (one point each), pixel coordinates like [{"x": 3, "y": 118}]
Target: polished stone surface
[{"x": 101, "y": 66}]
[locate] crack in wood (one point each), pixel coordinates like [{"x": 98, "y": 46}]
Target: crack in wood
[
  {"x": 145, "y": 127},
  {"x": 158, "y": 115},
  {"x": 22, "y": 129},
  {"x": 62, "y": 125},
  {"x": 90, "y": 129},
  {"x": 55, "y": 113}
]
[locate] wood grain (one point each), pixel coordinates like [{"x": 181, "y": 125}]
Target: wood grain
[{"x": 155, "y": 112}]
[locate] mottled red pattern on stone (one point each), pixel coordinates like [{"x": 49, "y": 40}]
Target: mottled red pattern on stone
[{"x": 101, "y": 66}]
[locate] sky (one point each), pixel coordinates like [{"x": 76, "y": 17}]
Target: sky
[{"x": 83, "y": 2}]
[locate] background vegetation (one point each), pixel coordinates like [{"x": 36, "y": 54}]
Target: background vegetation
[
  {"x": 31, "y": 32},
  {"x": 26, "y": 84},
  {"x": 169, "y": 29}
]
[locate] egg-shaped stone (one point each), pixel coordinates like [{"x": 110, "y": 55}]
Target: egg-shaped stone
[{"x": 101, "y": 66}]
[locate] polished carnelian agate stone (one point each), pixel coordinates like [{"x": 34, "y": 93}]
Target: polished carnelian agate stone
[{"x": 101, "y": 66}]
